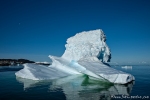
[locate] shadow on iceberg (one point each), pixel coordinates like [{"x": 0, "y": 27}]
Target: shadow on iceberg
[{"x": 80, "y": 87}]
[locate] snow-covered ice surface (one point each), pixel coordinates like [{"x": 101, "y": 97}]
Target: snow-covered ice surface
[
  {"x": 85, "y": 53},
  {"x": 40, "y": 72},
  {"x": 71, "y": 66},
  {"x": 107, "y": 72},
  {"x": 87, "y": 44}
]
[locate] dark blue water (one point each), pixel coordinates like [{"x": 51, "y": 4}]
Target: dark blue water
[{"x": 75, "y": 87}]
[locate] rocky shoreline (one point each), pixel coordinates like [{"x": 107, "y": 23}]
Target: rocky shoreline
[
  {"x": 9, "y": 62},
  {"x": 17, "y": 62}
]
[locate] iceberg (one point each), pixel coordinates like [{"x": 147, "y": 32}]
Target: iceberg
[
  {"x": 86, "y": 53},
  {"x": 86, "y": 45}
]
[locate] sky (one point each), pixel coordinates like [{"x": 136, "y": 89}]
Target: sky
[{"x": 34, "y": 29}]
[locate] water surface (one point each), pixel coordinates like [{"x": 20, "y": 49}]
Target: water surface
[{"x": 76, "y": 87}]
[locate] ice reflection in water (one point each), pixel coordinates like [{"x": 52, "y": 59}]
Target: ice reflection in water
[{"x": 80, "y": 87}]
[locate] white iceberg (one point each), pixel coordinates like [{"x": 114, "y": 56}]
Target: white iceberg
[
  {"x": 87, "y": 44},
  {"x": 86, "y": 53}
]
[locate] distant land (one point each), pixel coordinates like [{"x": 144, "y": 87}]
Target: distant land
[{"x": 13, "y": 62}]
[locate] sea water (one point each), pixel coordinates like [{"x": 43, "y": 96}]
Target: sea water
[{"x": 76, "y": 87}]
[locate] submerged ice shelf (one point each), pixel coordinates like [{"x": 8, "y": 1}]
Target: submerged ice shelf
[
  {"x": 85, "y": 53},
  {"x": 80, "y": 87}
]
